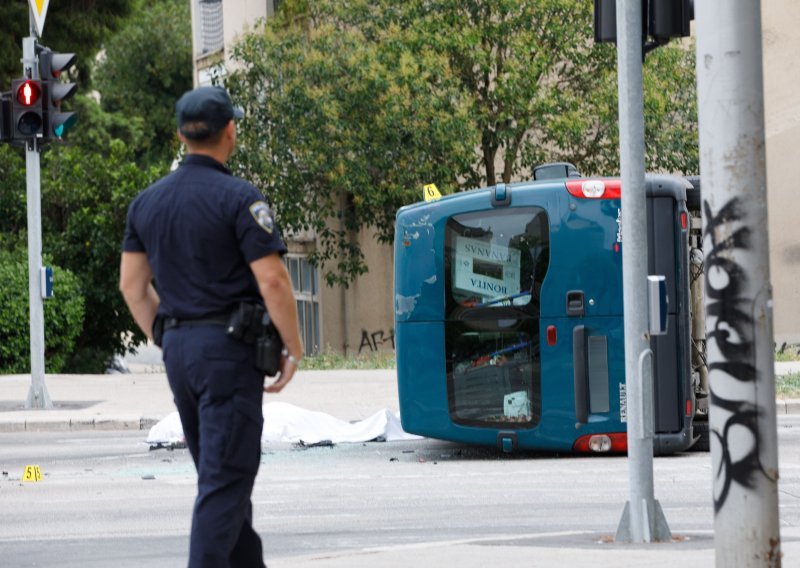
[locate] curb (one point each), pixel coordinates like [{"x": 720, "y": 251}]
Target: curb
[
  {"x": 788, "y": 406},
  {"x": 78, "y": 424}
]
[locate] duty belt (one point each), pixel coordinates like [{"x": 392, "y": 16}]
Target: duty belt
[{"x": 170, "y": 323}]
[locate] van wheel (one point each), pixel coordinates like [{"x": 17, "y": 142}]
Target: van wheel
[{"x": 703, "y": 435}]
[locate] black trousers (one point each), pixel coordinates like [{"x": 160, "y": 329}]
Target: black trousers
[{"x": 218, "y": 392}]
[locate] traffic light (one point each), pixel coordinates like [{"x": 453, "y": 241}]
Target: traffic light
[
  {"x": 605, "y": 21},
  {"x": 5, "y": 117},
  {"x": 26, "y": 109},
  {"x": 51, "y": 64},
  {"x": 668, "y": 18},
  {"x": 661, "y": 19}
]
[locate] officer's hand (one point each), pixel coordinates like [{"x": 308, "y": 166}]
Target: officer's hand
[{"x": 288, "y": 368}]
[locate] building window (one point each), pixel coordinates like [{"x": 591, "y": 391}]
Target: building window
[
  {"x": 212, "y": 32},
  {"x": 306, "y": 293}
]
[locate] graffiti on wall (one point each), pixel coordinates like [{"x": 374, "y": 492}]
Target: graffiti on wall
[
  {"x": 373, "y": 341},
  {"x": 731, "y": 327}
]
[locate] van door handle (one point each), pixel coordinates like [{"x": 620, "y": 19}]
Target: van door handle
[
  {"x": 581, "y": 375},
  {"x": 575, "y": 305}
]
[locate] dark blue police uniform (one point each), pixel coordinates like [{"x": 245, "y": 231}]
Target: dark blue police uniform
[{"x": 200, "y": 228}]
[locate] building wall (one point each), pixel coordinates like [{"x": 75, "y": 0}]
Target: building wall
[
  {"x": 359, "y": 320},
  {"x": 781, "y": 40},
  {"x": 241, "y": 15}
]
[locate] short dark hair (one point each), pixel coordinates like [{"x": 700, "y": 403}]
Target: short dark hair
[
  {"x": 198, "y": 135},
  {"x": 199, "y": 131}
]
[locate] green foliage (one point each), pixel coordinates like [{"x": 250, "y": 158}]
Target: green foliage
[
  {"x": 12, "y": 191},
  {"x": 75, "y": 26},
  {"x": 63, "y": 316},
  {"x": 525, "y": 66},
  {"x": 353, "y": 105},
  {"x": 341, "y": 126},
  {"x": 84, "y": 204},
  {"x": 146, "y": 66},
  {"x": 89, "y": 179},
  {"x": 788, "y": 386},
  {"x": 787, "y": 353},
  {"x": 96, "y": 129}
]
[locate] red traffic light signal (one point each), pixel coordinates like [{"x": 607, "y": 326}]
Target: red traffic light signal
[
  {"x": 29, "y": 93},
  {"x": 26, "y": 110}
]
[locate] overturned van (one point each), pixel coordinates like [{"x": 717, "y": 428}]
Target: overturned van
[{"x": 509, "y": 315}]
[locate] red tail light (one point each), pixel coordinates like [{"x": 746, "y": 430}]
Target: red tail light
[
  {"x": 684, "y": 220},
  {"x": 595, "y": 188},
  {"x": 551, "y": 335},
  {"x": 615, "y": 443},
  {"x": 688, "y": 407}
]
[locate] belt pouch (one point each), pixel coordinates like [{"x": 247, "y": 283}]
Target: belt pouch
[{"x": 268, "y": 354}]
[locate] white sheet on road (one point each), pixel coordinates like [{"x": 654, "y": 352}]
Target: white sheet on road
[{"x": 284, "y": 422}]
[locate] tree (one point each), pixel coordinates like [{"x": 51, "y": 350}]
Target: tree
[
  {"x": 87, "y": 185},
  {"x": 75, "y": 26},
  {"x": 338, "y": 92},
  {"x": 89, "y": 179},
  {"x": 85, "y": 197},
  {"x": 97, "y": 128},
  {"x": 540, "y": 89},
  {"x": 341, "y": 127},
  {"x": 12, "y": 191},
  {"x": 146, "y": 67}
]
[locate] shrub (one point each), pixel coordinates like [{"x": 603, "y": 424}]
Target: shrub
[
  {"x": 85, "y": 198},
  {"x": 63, "y": 316}
]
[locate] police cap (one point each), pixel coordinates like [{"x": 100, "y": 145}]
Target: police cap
[{"x": 205, "y": 111}]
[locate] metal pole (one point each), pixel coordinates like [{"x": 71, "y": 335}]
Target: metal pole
[
  {"x": 738, "y": 300},
  {"x": 38, "y": 397},
  {"x": 642, "y": 520}
]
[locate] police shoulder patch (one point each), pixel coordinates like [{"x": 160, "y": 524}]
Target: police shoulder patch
[{"x": 263, "y": 216}]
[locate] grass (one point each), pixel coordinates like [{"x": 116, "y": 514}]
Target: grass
[
  {"x": 330, "y": 360},
  {"x": 787, "y": 353},
  {"x": 788, "y": 386}
]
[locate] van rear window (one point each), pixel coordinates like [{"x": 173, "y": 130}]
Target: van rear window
[{"x": 495, "y": 263}]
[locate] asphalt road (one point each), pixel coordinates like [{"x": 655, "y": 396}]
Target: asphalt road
[{"x": 107, "y": 500}]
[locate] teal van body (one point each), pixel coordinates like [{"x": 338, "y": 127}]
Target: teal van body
[{"x": 509, "y": 315}]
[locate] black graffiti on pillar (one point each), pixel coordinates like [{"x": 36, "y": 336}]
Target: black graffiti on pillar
[
  {"x": 375, "y": 339},
  {"x": 733, "y": 333}
]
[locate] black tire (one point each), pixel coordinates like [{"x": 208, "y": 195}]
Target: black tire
[{"x": 702, "y": 435}]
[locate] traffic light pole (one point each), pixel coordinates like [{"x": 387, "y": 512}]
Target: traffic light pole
[
  {"x": 738, "y": 298},
  {"x": 642, "y": 519},
  {"x": 38, "y": 397}
]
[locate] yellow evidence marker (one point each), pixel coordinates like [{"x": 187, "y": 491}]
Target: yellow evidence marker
[
  {"x": 431, "y": 193},
  {"x": 32, "y": 474}
]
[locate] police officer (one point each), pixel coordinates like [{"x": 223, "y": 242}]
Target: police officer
[{"x": 210, "y": 242}]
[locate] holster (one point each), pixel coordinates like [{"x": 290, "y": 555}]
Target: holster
[
  {"x": 251, "y": 323},
  {"x": 158, "y": 330}
]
